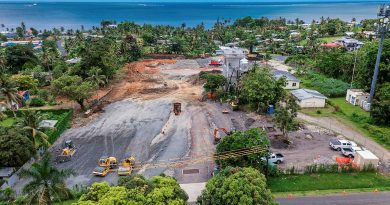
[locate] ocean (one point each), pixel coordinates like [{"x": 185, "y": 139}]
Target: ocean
[{"x": 74, "y": 14}]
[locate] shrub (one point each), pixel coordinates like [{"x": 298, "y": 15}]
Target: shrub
[
  {"x": 44, "y": 94},
  {"x": 37, "y": 102},
  {"x": 319, "y": 112}
]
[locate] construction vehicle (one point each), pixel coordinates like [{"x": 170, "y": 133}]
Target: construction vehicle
[
  {"x": 101, "y": 171},
  {"x": 216, "y": 138},
  {"x": 67, "y": 152},
  {"x": 109, "y": 162},
  {"x": 126, "y": 167},
  {"x": 177, "y": 108}
]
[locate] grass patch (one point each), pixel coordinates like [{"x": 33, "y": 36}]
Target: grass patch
[
  {"x": 8, "y": 122},
  {"x": 328, "y": 181},
  {"x": 327, "y": 192},
  {"x": 329, "y": 39}
]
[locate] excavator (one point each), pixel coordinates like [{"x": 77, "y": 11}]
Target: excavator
[
  {"x": 126, "y": 167},
  {"x": 67, "y": 152},
  {"x": 217, "y": 139}
]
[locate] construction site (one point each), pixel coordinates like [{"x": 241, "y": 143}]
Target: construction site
[{"x": 155, "y": 118}]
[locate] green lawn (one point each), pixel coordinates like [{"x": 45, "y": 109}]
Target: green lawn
[
  {"x": 8, "y": 122},
  {"x": 329, "y": 39},
  {"x": 328, "y": 181}
]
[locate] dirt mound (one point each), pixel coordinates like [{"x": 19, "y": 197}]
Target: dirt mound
[{"x": 195, "y": 80}]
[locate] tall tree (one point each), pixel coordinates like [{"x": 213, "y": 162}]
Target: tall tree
[
  {"x": 74, "y": 88},
  {"x": 29, "y": 121},
  {"x": 241, "y": 140},
  {"x": 9, "y": 91},
  {"x": 46, "y": 182},
  {"x": 236, "y": 186},
  {"x": 285, "y": 114},
  {"x": 15, "y": 147},
  {"x": 260, "y": 89}
]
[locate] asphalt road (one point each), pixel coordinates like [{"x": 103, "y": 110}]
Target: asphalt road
[{"x": 369, "y": 198}]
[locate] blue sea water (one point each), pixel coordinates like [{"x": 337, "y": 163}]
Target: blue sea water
[{"x": 74, "y": 14}]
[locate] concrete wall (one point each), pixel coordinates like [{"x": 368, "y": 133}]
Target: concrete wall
[{"x": 311, "y": 102}]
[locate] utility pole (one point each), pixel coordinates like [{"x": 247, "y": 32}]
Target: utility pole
[{"x": 383, "y": 14}]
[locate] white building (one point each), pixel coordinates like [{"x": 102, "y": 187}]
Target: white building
[
  {"x": 306, "y": 98},
  {"x": 356, "y": 97},
  {"x": 349, "y": 44},
  {"x": 291, "y": 81},
  {"x": 234, "y": 63}
]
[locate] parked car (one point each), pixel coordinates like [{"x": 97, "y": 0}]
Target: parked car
[
  {"x": 337, "y": 144},
  {"x": 350, "y": 152},
  {"x": 274, "y": 158}
]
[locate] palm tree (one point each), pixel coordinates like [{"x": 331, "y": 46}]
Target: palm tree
[
  {"x": 96, "y": 77},
  {"x": 46, "y": 182},
  {"x": 9, "y": 91},
  {"x": 29, "y": 121}
]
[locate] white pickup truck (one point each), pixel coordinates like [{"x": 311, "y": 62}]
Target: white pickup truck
[
  {"x": 337, "y": 144},
  {"x": 351, "y": 151},
  {"x": 274, "y": 158}
]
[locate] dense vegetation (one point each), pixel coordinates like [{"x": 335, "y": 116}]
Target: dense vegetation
[
  {"x": 237, "y": 186},
  {"x": 136, "y": 189}
]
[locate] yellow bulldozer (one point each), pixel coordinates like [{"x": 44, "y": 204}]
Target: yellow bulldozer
[
  {"x": 67, "y": 152},
  {"x": 126, "y": 167},
  {"x": 109, "y": 164}
]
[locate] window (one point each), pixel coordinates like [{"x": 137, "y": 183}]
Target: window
[{"x": 294, "y": 84}]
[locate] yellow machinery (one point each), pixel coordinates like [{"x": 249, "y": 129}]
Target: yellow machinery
[
  {"x": 109, "y": 162},
  {"x": 101, "y": 171},
  {"x": 67, "y": 152},
  {"x": 127, "y": 166}
]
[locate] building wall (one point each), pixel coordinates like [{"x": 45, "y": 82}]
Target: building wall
[
  {"x": 311, "y": 103},
  {"x": 291, "y": 85}
]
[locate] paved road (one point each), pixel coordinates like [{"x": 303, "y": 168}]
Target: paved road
[
  {"x": 382, "y": 198},
  {"x": 349, "y": 132}
]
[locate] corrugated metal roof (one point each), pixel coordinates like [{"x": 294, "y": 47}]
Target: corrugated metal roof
[
  {"x": 303, "y": 94},
  {"x": 280, "y": 73}
]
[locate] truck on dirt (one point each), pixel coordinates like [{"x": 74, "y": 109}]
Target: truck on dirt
[
  {"x": 177, "y": 108},
  {"x": 275, "y": 158},
  {"x": 351, "y": 151},
  {"x": 337, "y": 144}
]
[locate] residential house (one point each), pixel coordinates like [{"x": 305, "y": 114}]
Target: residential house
[
  {"x": 330, "y": 45},
  {"x": 349, "y": 44},
  {"x": 306, "y": 98},
  {"x": 357, "y": 97},
  {"x": 291, "y": 81},
  {"x": 349, "y": 34}
]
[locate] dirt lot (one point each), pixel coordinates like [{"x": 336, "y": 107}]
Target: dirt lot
[{"x": 138, "y": 121}]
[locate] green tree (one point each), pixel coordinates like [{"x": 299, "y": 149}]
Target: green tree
[
  {"x": 380, "y": 111},
  {"x": 134, "y": 190},
  {"x": 241, "y": 140},
  {"x": 285, "y": 115},
  {"x": 237, "y": 186},
  {"x": 95, "y": 76},
  {"x": 25, "y": 82},
  {"x": 9, "y": 91},
  {"x": 74, "y": 88},
  {"x": 213, "y": 81},
  {"x": 260, "y": 89},
  {"x": 15, "y": 147},
  {"x": 366, "y": 63},
  {"x": 29, "y": 121},
  {"x": 19, "y": 55},
  {"x": 45, "y": 182}
]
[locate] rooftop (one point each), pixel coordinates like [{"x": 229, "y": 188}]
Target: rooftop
[
  {"x": 6, "y": 171},
  {"x": 303, "y": 94},
  {"x": 280, "y": 73}
]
